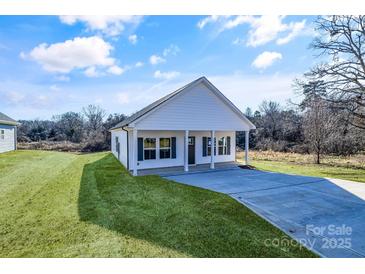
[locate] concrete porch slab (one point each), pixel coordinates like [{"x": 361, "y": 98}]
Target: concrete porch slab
[{"x": 179, "y": 170}]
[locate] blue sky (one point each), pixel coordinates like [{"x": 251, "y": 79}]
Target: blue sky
[{"x": 51, "y": 64}]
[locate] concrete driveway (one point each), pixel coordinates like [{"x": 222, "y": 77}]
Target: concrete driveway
[{"x": 325, "y": 215}]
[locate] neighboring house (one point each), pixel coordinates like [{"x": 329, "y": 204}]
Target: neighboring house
[
  {"x": 7, "y": 133},
  {"x": 177, "y": 130}
]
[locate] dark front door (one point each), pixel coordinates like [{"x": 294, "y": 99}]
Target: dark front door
[{"x": 191, "y": 143}]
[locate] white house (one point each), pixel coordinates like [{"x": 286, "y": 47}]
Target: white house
[
  {"x": 7, "y": 133},
  {"x": 177, "y": 130}
]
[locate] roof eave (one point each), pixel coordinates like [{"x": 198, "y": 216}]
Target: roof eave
[{"x": 10, "y": 123}]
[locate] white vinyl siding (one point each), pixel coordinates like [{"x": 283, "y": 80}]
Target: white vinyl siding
[
  {"x": 179, "y": 160},
  {"x": 7, "y": 138},
  {"x": 197, "y": 108},
  {"x": 122, "y": 138}
]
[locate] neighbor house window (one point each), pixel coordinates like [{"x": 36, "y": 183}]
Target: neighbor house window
[
  {"x": 2, "y": 134},
  {"x": 165, "y": 148},
  {"x": 149, "y": 147},
  {"x": 222, "y": 146}
]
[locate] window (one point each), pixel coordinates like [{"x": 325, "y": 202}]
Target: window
[
  {"x": 165, "y": 148},
  {"x": 222, "y": 146},
  {"x": 149, "y": 147},
  {"x": 116, "y": 144},
  {"x": 209, "y": 146},
  {"x": 2, "y": 134}
]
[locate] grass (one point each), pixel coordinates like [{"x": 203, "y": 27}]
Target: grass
[
  {"x": 348, "y": 168},
  {"x": 56, "y": 204}
]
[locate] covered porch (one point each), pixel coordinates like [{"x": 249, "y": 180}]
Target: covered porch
[{"x": 187, "y": 142}]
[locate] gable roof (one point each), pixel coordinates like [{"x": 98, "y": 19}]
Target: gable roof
[
  {"x": 4, "y": 119},
  {"x": 166, "y": 98}
]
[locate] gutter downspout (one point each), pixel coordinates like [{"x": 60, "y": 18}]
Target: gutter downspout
[{"x": 127, "y": 147}]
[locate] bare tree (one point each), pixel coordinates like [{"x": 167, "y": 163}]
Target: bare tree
[
  {"x": 341, "y": 42},
  {"x": 318, "y": 126},
  {"x": 271, "y": 111},
  {"x": 94, "y": 117}
]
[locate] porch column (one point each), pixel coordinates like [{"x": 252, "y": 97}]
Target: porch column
[
  {"x": 247, "y": 132},
  {"x": 135, "y": 151},
  {"x": 212, "y": 144},
  {"x": 186, "y": 151}
]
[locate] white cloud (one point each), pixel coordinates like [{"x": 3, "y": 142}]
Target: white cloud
[
  {"x": 171, "y": 50},
  {"x": 62, "y": 78},
  {"x": 263, "y": 29},
  {"x": 14, "y": 97},
  {"x": 155, "y": 59},
  {"x": 54, "y": 88},
  {"x": 91, "y": 72},
  {"x": 296, "y": 29},
  {"x": 238, "y": 41},
  {"x": 207, "y": 20},
  {"x": 22, "y": 55},
  {"x": 123, "y": 98},
  {"x": 116, "y": 70},
  {"x": 108, "y": 25},
  {"x": 133, "y": 39},
  {"x": 250, "y": 90},
  {"x": 139, "y": 64},
  {"x": 238, "y": 20},
  {"x": 166, "y": 75},
  {"x": 78, "y": 53},
  {"x": 22, "y": 100},
  {"x": 266, "y": 59}
]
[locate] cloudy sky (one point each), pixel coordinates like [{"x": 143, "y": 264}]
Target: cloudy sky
[{"x": 50, "y": 64}]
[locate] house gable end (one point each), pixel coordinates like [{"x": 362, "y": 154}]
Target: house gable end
[{"x": 198, "y": 107}]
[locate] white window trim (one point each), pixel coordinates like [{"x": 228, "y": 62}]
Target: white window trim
[
  {"x": 224, "y": 146},
  {"x": 208, "y": 138},
  {"x": 149, "y": 148},
  {"x": 159, "y": 148},
  {"x": 2, "y": 134}
]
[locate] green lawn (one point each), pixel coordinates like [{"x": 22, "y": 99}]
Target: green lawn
[
  {"x": 56, "y": 204},
  {"x": 322, "y": 170}
]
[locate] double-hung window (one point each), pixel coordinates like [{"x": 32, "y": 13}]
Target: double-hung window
[
  {"x": 222, "y": 146},
  {"x": 2, "y": 134},
  {"x": 149, "y": 147},
  {"x": 209, "y": 146},
  {"x": 165, "y": 148}
]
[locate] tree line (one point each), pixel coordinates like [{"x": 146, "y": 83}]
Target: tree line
[{"x": 90, "y": 128}]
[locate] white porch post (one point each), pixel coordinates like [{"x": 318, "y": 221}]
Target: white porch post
[
  {"x": 247, "y": 132},
  {"x": 135, "y": 151},
  {"x": 212, "y": 143},
  {"x": 186, "y": 151}
]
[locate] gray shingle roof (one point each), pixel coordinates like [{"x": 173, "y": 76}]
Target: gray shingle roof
[
  {"x": 4, "y": 119},
  {"x": 150, "y": 107}
]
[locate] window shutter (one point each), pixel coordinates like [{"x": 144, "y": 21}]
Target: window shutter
[
  {"x": 204, "y": 146},
  {"x": 228, "y": 145},
  {"x": 215, "y": 146},
  {"x": 140, "y": 149},
  {"x": 173, "y": 147}
]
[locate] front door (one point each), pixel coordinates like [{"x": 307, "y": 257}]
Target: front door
[{"x": 191, "y": 143}]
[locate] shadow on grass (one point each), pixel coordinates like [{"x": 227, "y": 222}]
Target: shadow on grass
[{"x": 189, "y": 220}]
